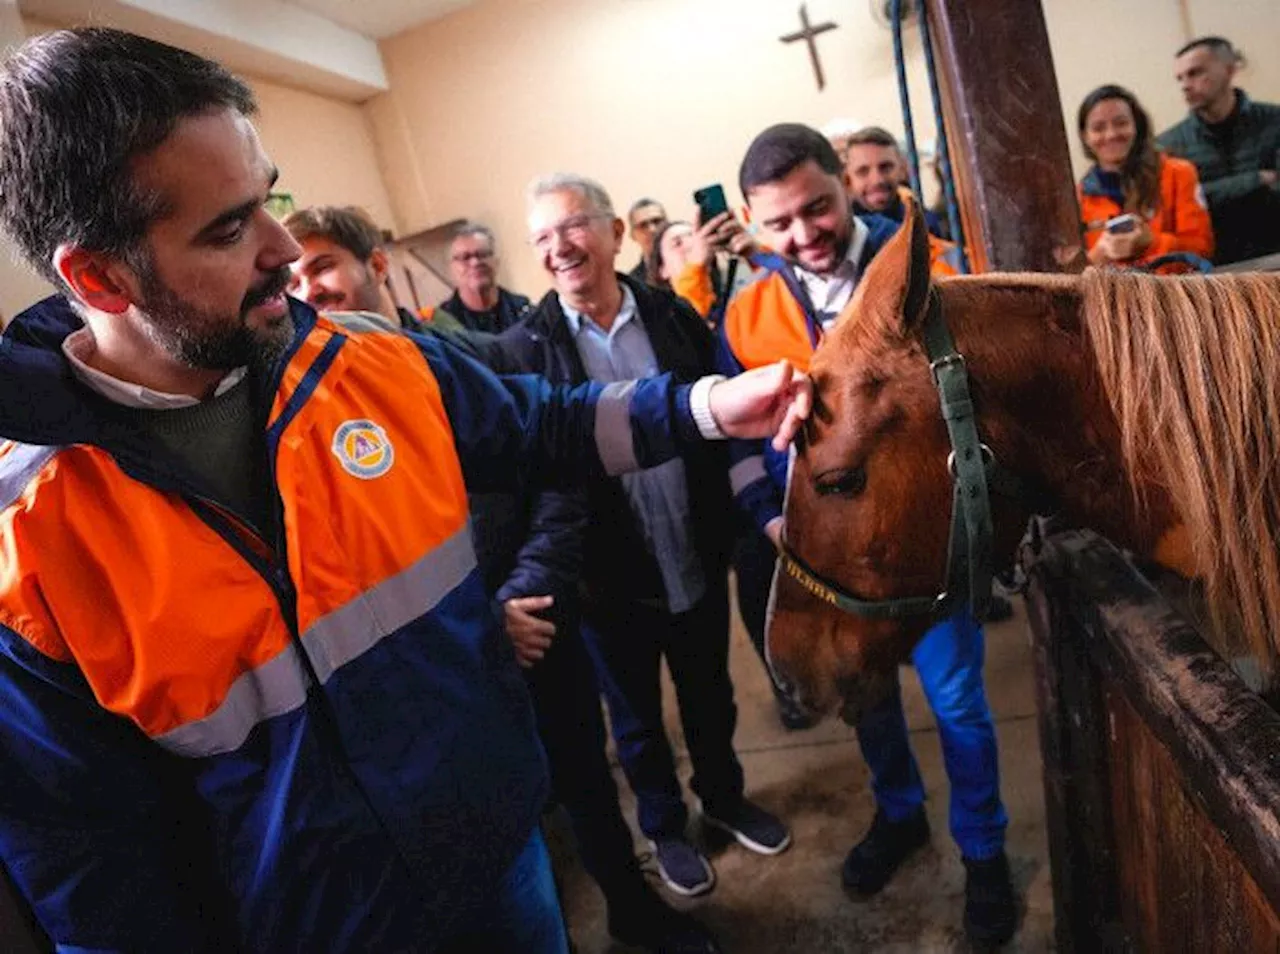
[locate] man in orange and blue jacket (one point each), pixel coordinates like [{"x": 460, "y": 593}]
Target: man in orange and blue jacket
[
  {"x": 252, "y": 693},
  {"x": 795, "y": 185}
]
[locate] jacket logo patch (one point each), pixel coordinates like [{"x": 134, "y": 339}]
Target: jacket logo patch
[{"x": 363, "y": 449}]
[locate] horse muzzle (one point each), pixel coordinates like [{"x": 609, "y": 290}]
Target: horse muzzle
[{"x": 861, "y": 693}]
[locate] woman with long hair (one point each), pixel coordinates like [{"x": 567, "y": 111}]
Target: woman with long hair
[{"x": 1136, "y": 202}]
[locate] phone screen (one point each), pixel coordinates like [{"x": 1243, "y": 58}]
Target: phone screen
[
  {"x": 1122, "y": 224},
  {"x": 711, "y": 202}
]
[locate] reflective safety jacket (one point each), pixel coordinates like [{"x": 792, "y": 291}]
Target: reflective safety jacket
[
  {"x": 1179, "y": 222},
  {"x": 768, "y": 321},
  {"x": 309, "y": 737}
]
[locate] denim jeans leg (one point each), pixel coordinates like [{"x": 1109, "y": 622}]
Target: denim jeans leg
[
  {"x": 895, "y": 777},
  {"x": 625, "y": 646},
  {"x": 567, "y": 700},
  {"x": 697, "y": 651},
  {"x": 949, "y": 660}
]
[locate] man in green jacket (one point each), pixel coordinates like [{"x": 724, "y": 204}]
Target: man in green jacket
[{"x": 1233, "y": 142}]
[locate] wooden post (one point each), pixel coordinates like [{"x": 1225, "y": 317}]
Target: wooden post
[{"x": 1007, "y": 142}]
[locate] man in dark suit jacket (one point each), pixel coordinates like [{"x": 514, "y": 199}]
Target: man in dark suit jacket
[
  {"x": 646, "y": 218},
  {"x": 657, "y": 543}
]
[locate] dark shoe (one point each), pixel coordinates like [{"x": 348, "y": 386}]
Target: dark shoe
[
  {"x": 682, "y": 867},
  {"x": 645, "y": 920},
  {"x": 871, "y": 862},
  {"x": 999, "y": 610},
  {"x": 753, "y": 828},
  {"x": 793, "y": 717},
  {"x": 990, "y": 907}
]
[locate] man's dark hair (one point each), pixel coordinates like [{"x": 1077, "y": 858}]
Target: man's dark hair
[
  {"x": 344, "y": 225},
  {"x": 1219, "y": 46},
  {"x": 872, "y": 136},
  {"x": 77, "y": 108},
  {"x": 639, "y": 204},
  {"x": 779, "y": 149},
  {"x": 1140, "y": 171}
]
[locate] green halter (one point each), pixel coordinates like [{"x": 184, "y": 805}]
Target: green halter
[{"x": 971, "y": 465}]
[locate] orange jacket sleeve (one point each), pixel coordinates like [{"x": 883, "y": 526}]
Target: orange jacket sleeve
[
  {"x": 1183, "y": 224},
  {"x": 693, "y": 284}
]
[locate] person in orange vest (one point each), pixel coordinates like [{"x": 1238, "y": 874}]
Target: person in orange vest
[
  {"x": 795, "y": 186},
  {"x": 683, "y": 259},
  {"x": 255, "y": 696},
  {"x": 1136, "y": 202}
]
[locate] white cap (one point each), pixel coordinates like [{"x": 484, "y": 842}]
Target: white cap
[{"x": 840, "y": 127}]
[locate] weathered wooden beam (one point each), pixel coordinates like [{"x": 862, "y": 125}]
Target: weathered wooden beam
[
  {"x": 1097, "y": 621},
  {"x": 1009, "y": 149},
  {"x": 1074, "y": 758}
]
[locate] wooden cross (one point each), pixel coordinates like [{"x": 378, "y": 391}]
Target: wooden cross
[{"x": 807, "y": 33}]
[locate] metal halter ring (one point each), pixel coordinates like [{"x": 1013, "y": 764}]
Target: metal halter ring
[{"x": 988, "y": 458}]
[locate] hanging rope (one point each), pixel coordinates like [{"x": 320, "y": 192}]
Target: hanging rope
[
  {"x": 904, "y": 97},
  {"x": 913, "y": 156}
]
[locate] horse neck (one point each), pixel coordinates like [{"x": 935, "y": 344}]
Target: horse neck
[{"x": 1044, "y": 412}]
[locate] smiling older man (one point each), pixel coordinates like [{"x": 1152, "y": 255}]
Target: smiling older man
[{"x": 658, "y": 542}]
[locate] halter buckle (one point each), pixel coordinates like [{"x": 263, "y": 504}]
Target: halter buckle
[
  {"x": 945, "y": 362},
  {"x": 988, "y": 458}
]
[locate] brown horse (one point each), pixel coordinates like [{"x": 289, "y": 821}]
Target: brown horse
[{"x": 1145, "y": 408}]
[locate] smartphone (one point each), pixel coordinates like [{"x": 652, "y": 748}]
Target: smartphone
[
  {"x": 1122, "y": 224},
  {"x": 711, "y": 202}
]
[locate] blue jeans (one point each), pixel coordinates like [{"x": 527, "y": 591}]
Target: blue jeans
[
  {"x": 524, "y": 915},
  {"x": 627, "y": 642},
  {"x": 949, "y": 661}
]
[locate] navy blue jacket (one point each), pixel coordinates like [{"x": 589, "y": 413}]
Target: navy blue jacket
[
  {"x": 390, "y": 772},
  {"x": 616, "y": 561}
]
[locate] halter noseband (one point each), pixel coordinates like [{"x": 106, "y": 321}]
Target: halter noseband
[{"x": 971, "y": 465}]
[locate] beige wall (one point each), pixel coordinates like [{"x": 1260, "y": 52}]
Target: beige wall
[
  {"x": 661, "y": 96},
  {"x": 652, "y": 97},
  {"x": 323, "y": 148},
  {"x": 1103, "y": 41}
]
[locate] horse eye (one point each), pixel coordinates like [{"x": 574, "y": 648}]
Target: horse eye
[{"x": 842, "y": 483}]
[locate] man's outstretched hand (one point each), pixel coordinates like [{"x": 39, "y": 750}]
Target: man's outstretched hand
[{"x": 769, "y": 401}]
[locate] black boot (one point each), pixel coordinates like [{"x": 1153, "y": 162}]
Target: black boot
[
  {"x": 793, "y": 717},
  {"x": 1000, "y": 610},
  {"x": 642, "y": 919},
  {"x": 990, "y": 907},
  {"x": 872, "y": 861}
]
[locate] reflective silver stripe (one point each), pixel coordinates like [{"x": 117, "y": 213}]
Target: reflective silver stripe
[
  {"x": 274, "y": 688},
  {"x": 745, "y": 473},
  {"x": 352, "y": 630},
  {"x": 613, "y": 428},
  {"x": 280, "y": 685},
  {"x": 19, "y": 467}
]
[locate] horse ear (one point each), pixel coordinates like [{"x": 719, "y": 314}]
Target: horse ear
[
  {"x": 917, "y": 293},
  {"x": 897, "y": 280}
]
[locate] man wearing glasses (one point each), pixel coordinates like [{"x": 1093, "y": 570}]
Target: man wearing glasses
[
  {"x": 646, "y": 218},
  {"x": 656, "y": 548},
  {"x": 479, "y": 302}
]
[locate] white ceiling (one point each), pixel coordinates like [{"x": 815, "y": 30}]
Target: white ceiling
[{"x": 380, "y": 18}]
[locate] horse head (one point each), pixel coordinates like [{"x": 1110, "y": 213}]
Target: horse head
[{"x": 869, "y": 501}]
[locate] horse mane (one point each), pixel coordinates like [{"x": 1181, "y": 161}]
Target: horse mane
[{"x": 1188, "y": 365}]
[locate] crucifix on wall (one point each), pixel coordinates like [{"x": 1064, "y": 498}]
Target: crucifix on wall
[{"x": 807, "y": 33}]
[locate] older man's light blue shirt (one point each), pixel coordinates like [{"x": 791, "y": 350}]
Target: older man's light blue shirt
[{"x": 659, "y": 496}]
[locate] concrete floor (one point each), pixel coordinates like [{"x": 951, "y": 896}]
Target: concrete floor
[{"x": 816, "y": 781}]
